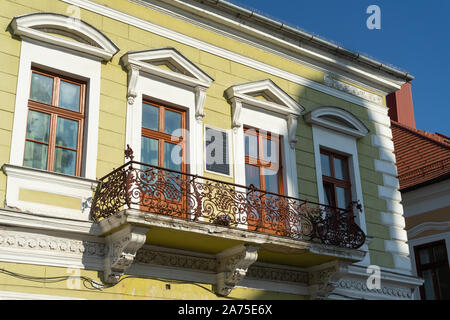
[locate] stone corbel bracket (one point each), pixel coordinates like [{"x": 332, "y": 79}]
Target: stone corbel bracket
[
  {"x": 232, "y": 267},
  {"x": 200, "y": 97},
  {"x": 322, "y": 279},
  {"x": 122, "y": 247},
  {"x": 133, "y": 76}
]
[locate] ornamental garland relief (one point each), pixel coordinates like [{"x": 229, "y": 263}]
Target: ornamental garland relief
[
  {"x": 345, "y": 87},
  {"x": 39, "y": 242}
]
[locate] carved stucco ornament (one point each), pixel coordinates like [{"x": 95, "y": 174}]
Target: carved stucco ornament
[
  {"x": 122, "y": 247},
  {"x": 232, "y": 267},
  {"x": 323, "y": 279}
]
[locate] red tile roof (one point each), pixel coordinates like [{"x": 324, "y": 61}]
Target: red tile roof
[{"x": 421, "y": 156}]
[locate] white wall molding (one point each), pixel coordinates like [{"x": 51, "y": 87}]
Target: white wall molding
[
  {"x": 22, "y": 178},
  {"x": 10, "y": 295}
]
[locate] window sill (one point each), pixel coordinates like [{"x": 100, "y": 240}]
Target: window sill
[{"x": 48, "y": 193}]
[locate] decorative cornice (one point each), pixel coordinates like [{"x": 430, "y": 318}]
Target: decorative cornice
[
  {"x": 86, "y": 38},
  {"x": 227, "y": 54},
  {"x": 360, "y": 290},
  {"x": 55, "y": 248},
  {"x": 41, "y": 242},
  {"x": 232, "y": 266},
  {"x": 277, "y": 274}
]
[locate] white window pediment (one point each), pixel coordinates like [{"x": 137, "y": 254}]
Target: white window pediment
[
  {"x": 267, "y": 96},
  {"x": 178, "y": 67},
  {"x": 337, "y": 119},
  {"x": 168, "y": 64},
  {"x": 64, "y": 31}
]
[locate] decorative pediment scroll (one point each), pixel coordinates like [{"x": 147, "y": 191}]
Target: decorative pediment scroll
[{"x": 267, "y": 96}]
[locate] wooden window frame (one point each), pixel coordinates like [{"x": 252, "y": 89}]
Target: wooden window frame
[
  {"x": 433, "y": 265},
  {"x": 163, "y": 137},
  {"x": 334, "y": 182},
  {"x": 55, "y": 111},
  {"x": 262, "y": 164}
]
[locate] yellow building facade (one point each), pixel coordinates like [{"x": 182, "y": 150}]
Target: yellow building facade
[{"x": 258, "y": 159}]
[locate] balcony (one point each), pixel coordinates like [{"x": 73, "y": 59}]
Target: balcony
[{"x": 157, "y": 191}]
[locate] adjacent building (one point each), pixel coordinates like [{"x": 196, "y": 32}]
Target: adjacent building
[
  {"x": 187, "y": 149},
  {"x": 423, "y": 161}
]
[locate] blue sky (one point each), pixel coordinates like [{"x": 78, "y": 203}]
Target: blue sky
[{"x": 414, "y": 37}]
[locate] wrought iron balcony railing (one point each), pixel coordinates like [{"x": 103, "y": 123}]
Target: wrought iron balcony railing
[{"x": 180, "y": 195}]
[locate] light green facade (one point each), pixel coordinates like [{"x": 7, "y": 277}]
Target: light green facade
[{"x": 218, "y": 113}]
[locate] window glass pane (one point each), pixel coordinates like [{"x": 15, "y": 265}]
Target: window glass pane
[
  {"x": 38, "y": 126},
  {"x": 67, "y": 133},
  {"x": 41, "y": 88},
  {"x": 172, "y": 123},
  {"x": 340, "y": 169},
  {"x": 65, "y": 161},
  {"x": 252, "y": 176},
  {"x": 325, "y": 164},
  {"x": 271, "y": 181},
  {"x": 424, "y": 255},
  {"x": 35, "y": 155},
  {"x": 251, "y": 145},
  {"x": 439, "y": 253},
  {"x": 429, "y": 285},
  {"x": 150, "y": 117},
  {"x": 172, "y": 156},
  {"x": 270, "y": 150},
  {"x": 217, "y": 151},
  {"x": 149, "y": 151},
  {"x": 443, "y": 279},
  {"x": 328, "y": 194},
  {"x": 69, "y": 96},
  {"x": 343, "y": 199}
]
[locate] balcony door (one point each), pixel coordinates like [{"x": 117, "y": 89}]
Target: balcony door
[
  {"x": 263, "y": 172},
  {"x": 163, "y": 149}
]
